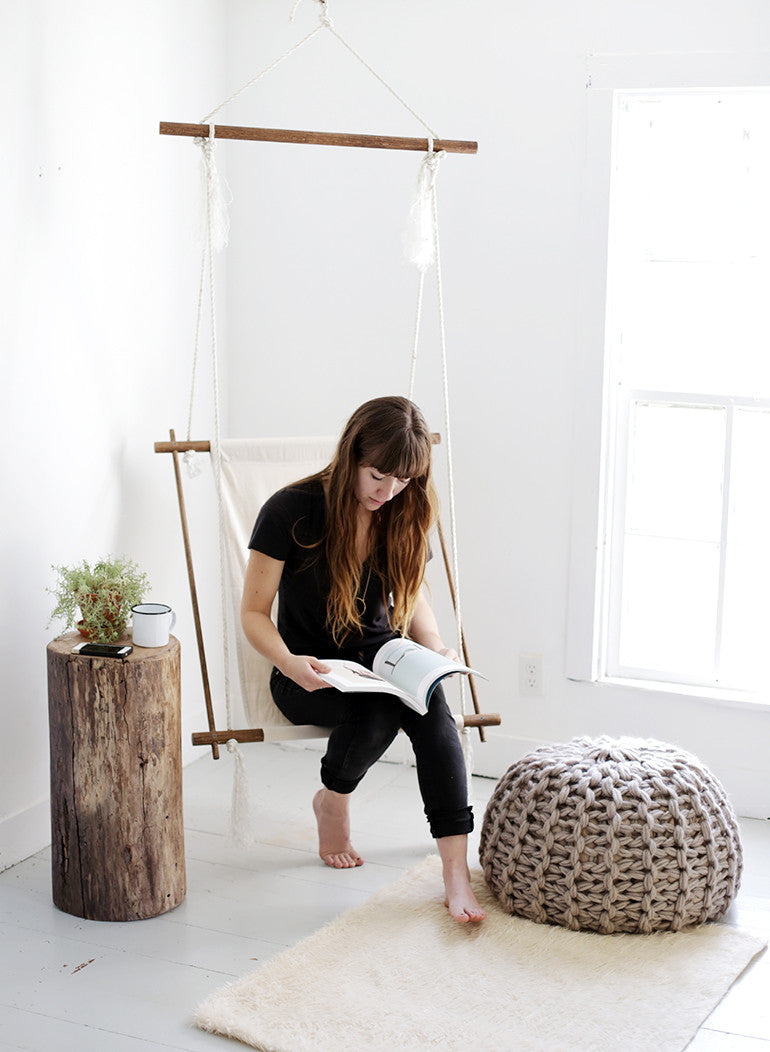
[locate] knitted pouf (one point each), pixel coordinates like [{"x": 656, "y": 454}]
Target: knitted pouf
[{"x": 611, "y": 835}]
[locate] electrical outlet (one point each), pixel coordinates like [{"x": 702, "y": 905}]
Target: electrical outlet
[{"x": 531, "y": 674}]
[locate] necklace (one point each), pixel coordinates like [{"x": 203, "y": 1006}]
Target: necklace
[{"x": 363, "y": 589}]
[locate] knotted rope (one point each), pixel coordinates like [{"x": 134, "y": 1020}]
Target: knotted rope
[
  {"x": 424, "y": 249},
  {"x": 215, "y": 237},
  {"x": 326, "y": 23}
]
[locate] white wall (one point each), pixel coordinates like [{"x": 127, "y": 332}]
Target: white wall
[
  {"x": 99, "y": 275},
  {"x": 98, "y": 267},
  {"x": 318, "y": 290}
]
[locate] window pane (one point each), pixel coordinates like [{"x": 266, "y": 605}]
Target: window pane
[
  {"x": 696, "y": 165},
  {"x": 668, "y": 615},
  {"x": 701, "y": 328},
  {"x": 675, "y": 481},
  {"x": 691, "y": 241},
  {"x": 670, "y": 572},
  {"x": 746, "y": 631},
  {"x": 746, "y": 618},
  {"x": 750, "y": 478}
]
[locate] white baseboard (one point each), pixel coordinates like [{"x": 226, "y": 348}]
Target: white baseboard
[
  {"x": 492, "y": 758},
  {"x": 24, "y": 834},
  {"x": 748, "y": 791}
]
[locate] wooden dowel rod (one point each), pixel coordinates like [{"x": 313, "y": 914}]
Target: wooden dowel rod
[
  {"x": 203, "y": 446},
  {"x": 194, "y": 596},
  {"x": 214, "y": 738},
  {"x": 182, "y": 447},
  {"x": 463, "y": 644},
  {"x": 482, "y": 719},
  {"x": 313, "y": 138}
]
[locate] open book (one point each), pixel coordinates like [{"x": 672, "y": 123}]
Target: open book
[{"x": 401, "y": 667}]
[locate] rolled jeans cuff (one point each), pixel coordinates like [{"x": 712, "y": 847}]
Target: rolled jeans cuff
[
  {"x": 450, "y": 823},
  {"x": 337, "y": 785}
]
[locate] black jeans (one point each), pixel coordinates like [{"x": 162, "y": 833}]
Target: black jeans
[{"x": 364, "y": 725}]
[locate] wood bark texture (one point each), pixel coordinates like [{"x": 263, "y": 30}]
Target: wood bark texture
[{"x": 116, "y": 782}]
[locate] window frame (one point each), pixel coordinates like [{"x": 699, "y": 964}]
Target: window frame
[{"x": 595, "y": 423}]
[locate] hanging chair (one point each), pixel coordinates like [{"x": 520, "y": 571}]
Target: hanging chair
[{"x": 252, "y": 470}]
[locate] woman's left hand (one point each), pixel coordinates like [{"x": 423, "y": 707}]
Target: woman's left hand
[{"x": 450, "y": 654}]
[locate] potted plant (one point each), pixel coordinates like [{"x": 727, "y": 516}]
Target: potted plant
[{"x": 101, "y": 595}]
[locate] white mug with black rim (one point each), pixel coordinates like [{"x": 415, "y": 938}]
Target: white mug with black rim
[{"x": 151, "y": 624}]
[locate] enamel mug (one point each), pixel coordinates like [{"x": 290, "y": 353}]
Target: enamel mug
[{"x": 152, "y": 623}]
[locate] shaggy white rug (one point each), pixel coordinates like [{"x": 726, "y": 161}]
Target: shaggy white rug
[{"x": 398, "y": 973}]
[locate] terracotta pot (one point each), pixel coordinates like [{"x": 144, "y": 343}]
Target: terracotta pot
[{"x": 110, "y": 617}]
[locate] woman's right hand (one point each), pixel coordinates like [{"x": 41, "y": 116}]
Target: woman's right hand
[{"x": 303, "y": 670}]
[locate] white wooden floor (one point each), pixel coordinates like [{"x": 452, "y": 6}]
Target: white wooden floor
[{"x": 66, "y": 983}]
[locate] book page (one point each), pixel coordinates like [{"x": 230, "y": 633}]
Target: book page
[
  {"x": 414, "y": 668},
  {"x": 350, "y": 676}
]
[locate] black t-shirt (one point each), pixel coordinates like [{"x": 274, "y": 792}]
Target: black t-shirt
[{"x": 289, "y": 527}]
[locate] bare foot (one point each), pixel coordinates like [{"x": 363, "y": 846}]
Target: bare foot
[
  {"x": 334, "y": 847},
  {"x": 460, "y": 900}
]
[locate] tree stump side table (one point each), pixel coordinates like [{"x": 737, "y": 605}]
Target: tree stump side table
[{"x": 117, "y": 850}]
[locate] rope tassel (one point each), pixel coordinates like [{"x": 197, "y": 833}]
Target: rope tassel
[
  {"x": 241, "y": 824},
  {"x": 419, "y": 240},
  {"x": 191, "y": 463},
  {"x": 215, "y": 221}
]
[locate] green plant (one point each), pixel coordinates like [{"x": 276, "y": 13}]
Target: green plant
[{"x": 102, "y": 596}]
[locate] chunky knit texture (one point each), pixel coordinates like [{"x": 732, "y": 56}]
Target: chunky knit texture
[{"x": 611, "y": 835}]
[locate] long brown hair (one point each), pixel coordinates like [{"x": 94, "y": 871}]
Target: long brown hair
[{"x": 390, "y": 435}]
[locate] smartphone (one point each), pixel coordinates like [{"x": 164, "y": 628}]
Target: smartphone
[{"x": 102, "y": 649}]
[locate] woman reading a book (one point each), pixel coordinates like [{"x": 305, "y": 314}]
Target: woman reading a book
[{"x": 346, "y": 551}]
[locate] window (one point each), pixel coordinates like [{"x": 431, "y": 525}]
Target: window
[{"x": 684, "y": 585}]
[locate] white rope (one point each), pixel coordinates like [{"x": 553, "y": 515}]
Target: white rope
[
  {"x": 217, "y": 197},
  {"x": 324, "y": 15},
  {"x": 218, "y": 477},
  {"x": 241, "y": 824},
  {"x": 262, "y": 73},
  {"x": 382, "y": 80},
  {"x": 190, "y": 460},
  {"x": 448, "y": 432},
  {"x": 427, "y": 201},
  {"x": 218, "y": 450},
  {"x": 465, "y": 735},
  {"x": 416, "y": 337},
  {"x": 215, "y": 227},
  {"x": 326, "y": 23},
  {"x": 240, "y": 816},
  {"x": 196, "y": 350},
  {"x": 420, "y": 242}
]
